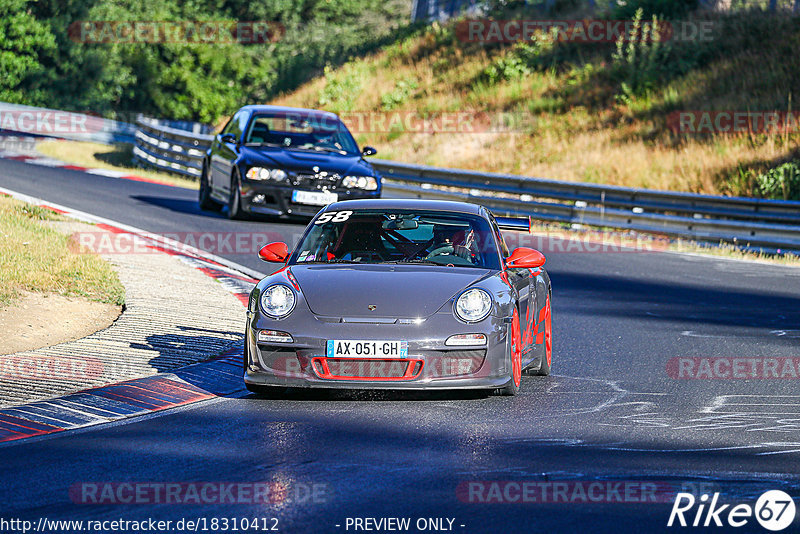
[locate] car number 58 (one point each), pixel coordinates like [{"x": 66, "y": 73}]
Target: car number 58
[{"x": 333, "y": 216}]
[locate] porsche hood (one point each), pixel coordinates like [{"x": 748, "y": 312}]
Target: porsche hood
[{"x": 405, "y": 291}]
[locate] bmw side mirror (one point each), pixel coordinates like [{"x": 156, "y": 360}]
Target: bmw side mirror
[
  {"x": 274, "y": 252},
  {"x": 227, "y": 138},
  {"x": 368, "y": 151},
  {"x": 525, "y": 258}
]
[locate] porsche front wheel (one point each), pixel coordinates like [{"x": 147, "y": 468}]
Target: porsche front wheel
[
  {"x": 547, "y": 357},
  {"x": 514, "y": 357}
]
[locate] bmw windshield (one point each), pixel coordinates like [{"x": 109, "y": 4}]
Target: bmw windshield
[
  {"x": 301, "y": 131},
  {"x": 399, "y": 237}
]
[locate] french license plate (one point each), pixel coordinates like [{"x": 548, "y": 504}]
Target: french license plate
[
  {"x": 366, "y": 349},
  {"x": 314, "y": 198}
]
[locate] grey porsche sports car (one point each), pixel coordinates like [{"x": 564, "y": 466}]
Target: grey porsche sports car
[{"x": 400, "y": 294}]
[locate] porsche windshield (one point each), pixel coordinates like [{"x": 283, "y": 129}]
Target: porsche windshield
[
  {"x": 301, "y": 131},
  {"x": 402, "y": 236}
]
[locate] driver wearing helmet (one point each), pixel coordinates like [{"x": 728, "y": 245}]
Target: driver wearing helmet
[{"x": 453, "y": 240}]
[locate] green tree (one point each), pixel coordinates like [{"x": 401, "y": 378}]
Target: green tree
[{"x": 23, "y": 40}]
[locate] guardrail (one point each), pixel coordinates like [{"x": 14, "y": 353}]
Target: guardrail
[
  {"x": 170, "y": 149},
  {"x": 750, "y": 222}
]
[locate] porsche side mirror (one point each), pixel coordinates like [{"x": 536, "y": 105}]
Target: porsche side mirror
[
  {"x": 274, "y": 252},
  {"x": 525, "y": 258},
  {"x": 227, "y": 138},
  {"x": 369, "y": 151}
]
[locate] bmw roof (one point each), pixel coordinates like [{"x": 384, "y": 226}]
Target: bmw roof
[{"x": 267, "y": 108}]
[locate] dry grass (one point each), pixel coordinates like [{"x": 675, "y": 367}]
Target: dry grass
[
  {"x": 592, "y": 156},
  {"x": 35, "y": 257},
  {"x": 573, "y": 129},
  {"x": 112, "y": 157}
]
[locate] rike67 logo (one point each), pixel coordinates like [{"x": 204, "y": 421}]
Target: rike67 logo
[{"x": 774, "y": 510}]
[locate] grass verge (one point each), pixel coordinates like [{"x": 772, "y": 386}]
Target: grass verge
[
  {"x": 581, "y": 111},
  {"x": 117, "y": 157},
  {"x": 35, "y": 257}
]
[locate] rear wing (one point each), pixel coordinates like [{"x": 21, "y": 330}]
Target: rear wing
[{"x": 517, "y": 224}]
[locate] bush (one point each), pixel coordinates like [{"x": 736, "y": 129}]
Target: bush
[
  {"x": 340, "y": 92},
  {"x": 782, "y": 182},
  {"x": 402, "y": 90},
  {"x": 507, "y": 67},
  {"x": 23, "y": 42},
  {"x": 638, "y": 61}
]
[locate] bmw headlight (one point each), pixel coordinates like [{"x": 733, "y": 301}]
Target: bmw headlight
[
  {"x": 473, "y": 305},
  {"x": 278, "y": 301},
  {"x": 262, "y": 173},
  {"x": 368, "y": 183}
]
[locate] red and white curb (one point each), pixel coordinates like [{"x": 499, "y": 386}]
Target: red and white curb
[
  {"x": 124, "y": 400},
  {"x": 144, "y": 395}
]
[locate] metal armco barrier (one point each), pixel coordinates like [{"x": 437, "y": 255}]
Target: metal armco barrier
[
  {"x": 170, "y": 149},
  {"x": 770, "y": 224}
]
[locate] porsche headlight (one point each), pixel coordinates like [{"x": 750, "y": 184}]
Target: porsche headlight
[
  {"x": 473, "y": 305},
  {"x": 262, "y": 173},
  {"x": 278, "y": 301},
  {"x": 368, "y": 183}
]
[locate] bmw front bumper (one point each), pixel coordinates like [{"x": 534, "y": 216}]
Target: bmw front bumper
[{"x": 266, "y": 198}]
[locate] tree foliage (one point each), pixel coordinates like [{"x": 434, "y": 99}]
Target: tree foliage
[
  {"x": 23, "y": 42},
  {"x": 42, "y": 62}
]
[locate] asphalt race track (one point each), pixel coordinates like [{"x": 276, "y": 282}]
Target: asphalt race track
[{"x": 615, "y": 411}]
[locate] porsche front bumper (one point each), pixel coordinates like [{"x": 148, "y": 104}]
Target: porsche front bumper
[{"x": 430, "y": 363}]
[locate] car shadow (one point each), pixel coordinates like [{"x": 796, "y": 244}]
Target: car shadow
[
  {"x": 197, "y": 345},
  {"x": 178, "y": 205},
  {"x": 366, "y": 395}
]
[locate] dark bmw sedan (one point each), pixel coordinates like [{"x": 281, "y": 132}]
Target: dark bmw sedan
[{"x": 283, "y": 161}]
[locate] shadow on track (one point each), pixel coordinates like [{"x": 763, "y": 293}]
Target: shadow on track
[
  {"x": 366, "y": 395},
  {"x": 179, "y": 205},
  {"x": 669, "y": 301}
]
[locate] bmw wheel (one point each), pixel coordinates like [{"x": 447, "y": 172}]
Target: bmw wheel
[
  {"x": 235, "y": 210},
  {"x": 206, "y": 202}
]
